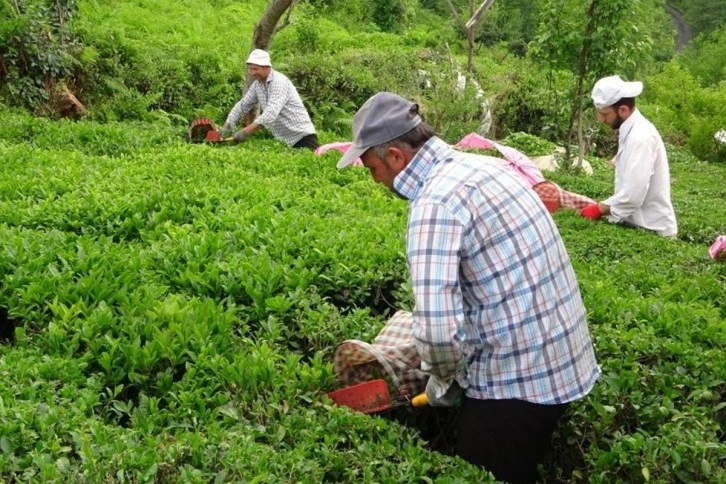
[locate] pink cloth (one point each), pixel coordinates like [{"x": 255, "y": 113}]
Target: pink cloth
[
  {"x": 718, "y": 249},
  {"x": 517, "y": 160},
  {"x": 342, "y": 146},
  {"x": 473, "y": 140}
]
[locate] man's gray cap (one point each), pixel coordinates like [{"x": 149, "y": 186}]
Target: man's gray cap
[{"x": 383, "y": 117}]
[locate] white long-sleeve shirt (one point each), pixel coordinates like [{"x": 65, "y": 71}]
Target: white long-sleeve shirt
[{"x": 642, "y": 179}]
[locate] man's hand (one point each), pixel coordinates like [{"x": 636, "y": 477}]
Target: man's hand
[
  {"x": 225, "y": 131},
  {"x": 591, "y": 211},
  {"x": 240, "y": 136},
  {"x": 442, "y": 393}
]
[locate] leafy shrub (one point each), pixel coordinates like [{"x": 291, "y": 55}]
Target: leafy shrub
[
  {"x": 533, "y": 102},
  {"x": 37, "y": 49},
  {"x": 685, "y": 112},
  {"x": 178, "y": 307},
  {"x": 530, "y": 144},
  {"x": 334, "y": 87},
  {"x": 389, "y": 15}
]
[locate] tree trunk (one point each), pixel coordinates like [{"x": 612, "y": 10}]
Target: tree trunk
[
  {"x": 581, "y": 70},
  {"x": 266, "y": 27},
  {"x": 580, "y": 139}
]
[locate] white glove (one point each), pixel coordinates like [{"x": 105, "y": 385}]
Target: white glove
[{"x": 442, "y": 393}]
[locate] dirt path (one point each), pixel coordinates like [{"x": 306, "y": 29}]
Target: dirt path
[{"x": 684, "y": 33}]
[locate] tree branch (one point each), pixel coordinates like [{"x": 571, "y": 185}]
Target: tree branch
[
  {"x": 473, "y": 22},
  {"x": 287, "y": 17},
  {"x": 265, "y": 28},
  {"x": 458, "y": 18}
]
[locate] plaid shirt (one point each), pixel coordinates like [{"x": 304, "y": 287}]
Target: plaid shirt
[
  {"x": 283, "y": 112},
  {"x": 497, "y": 304}
]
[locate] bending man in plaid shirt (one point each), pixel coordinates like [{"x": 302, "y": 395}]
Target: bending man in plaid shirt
[
  {"x": 497, "y": 310},
  {"x": 283, "y": 112}
]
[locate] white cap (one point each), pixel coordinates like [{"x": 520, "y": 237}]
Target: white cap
[
  {"x": 609, "y": 90},
  {"x": 259, "y": 57}
]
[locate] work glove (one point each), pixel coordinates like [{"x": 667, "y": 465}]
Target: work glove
[
  {"x": 443, "y": 393},
  {"x": 591, "y": 211},
  {"x": 240, "y": 136},
  {"x": 225, "y": 131}
]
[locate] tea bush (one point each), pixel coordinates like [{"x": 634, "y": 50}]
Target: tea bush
[{"x": 173, "y": 311}]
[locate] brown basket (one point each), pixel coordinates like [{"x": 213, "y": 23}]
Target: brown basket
[{"x": 200, "y": 129}]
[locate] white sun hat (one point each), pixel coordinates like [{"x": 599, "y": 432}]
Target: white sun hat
[{"x": 259, "y": 57}]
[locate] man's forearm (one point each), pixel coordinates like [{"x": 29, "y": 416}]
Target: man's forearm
[{"x": 253, "y": 128}]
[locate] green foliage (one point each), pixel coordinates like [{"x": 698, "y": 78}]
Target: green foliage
[
  {"x": 389, "y": 15},
  {"x": 704, "y": 58},
  {"x": 166, "y": 63},
  {"x": 613, "y": 45},
  {"x": 529, "y": 144},
  {"x": 514, "y": 22},
  {"x": 177, "y": 307},
  {"x": 656, "y": 24},
  {"x": 685, "y": 112},
  {"x": 36, "y": 49},
  {"x": 704, "y": 16},
  {"x": 334, "y": 87},
  {"x": 533, "y": 101}
]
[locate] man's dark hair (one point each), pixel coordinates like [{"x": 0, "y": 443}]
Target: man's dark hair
[
  {"x": 413, "y": 139},
  {"x": 626, "y": 101}
]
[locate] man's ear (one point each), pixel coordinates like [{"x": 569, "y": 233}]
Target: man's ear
[{"x": 397, "y": 158}]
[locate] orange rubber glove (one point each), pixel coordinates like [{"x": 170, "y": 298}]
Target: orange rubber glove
[{"x": 592, "y": 211}]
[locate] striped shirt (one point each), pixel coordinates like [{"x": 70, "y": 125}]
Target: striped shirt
[
  {"x": 497, "y": 303},
  {"x": 283, "y": 112}
]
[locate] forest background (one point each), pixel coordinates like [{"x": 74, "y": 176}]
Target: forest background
[{"x": 181, "y": 60}]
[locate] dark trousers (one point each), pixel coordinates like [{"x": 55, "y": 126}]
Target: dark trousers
[
  {"x": 309, "y": 141},
  {"x": 506, "y": 437}
]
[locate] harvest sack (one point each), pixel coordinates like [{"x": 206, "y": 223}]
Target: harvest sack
[
  {"x": 718, "y": 249},
  {"x": 392, "y": 352}
]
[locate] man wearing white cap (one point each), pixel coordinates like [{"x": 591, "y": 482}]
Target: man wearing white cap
[
  {"x": 497, "y": 306},
  {"x": 283, "y": 112},
  {"x": 642, "y": 195}
]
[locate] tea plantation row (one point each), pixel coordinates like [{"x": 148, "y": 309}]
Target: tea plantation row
[{"x": 171, "y": 312}]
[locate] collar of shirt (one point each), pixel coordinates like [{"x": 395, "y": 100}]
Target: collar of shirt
[
  {"x": 270, "y": 77},
  {"x": 409, "y": 182},
  {"x": 265, "y": 85},
  {"x": 627, "y": 126}
]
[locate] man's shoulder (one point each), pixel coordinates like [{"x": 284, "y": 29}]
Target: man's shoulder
[
  {"x": 277, "y": 76},
  {"x": 645, "y": 126}
]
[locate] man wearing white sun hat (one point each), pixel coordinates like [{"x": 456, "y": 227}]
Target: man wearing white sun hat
[
  {"x": 283, "y": 112},
  {"x": 642, "y": 195}
]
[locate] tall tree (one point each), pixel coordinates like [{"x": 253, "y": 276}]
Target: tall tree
[{"x": 591, "y": 40}]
